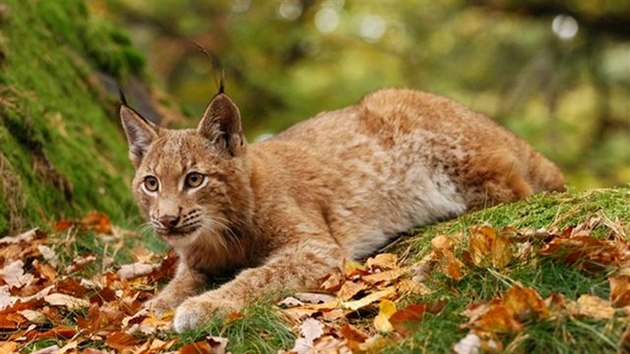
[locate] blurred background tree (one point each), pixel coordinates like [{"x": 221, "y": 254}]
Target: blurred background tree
[{"x": 555, "y": 72}]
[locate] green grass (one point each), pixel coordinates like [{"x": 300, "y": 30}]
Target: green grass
[{"x": 438, "y": 333}]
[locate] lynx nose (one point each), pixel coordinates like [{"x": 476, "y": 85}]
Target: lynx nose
[{"x": 168, "y": 221}]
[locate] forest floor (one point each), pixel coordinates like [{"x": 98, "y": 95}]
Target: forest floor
[{"x": 547, "y": 274}]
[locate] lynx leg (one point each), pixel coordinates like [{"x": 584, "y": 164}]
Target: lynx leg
[
  {"x": 295, "y": 267},
  {"x": 182, "y": 286}
]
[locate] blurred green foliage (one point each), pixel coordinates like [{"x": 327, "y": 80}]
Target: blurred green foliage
[{"x": 555, "y": 72}]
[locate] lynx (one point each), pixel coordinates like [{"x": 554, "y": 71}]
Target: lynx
[{"x": 290, "y": 209}]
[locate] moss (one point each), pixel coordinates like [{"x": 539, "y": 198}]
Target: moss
[{"x": 57, "y": 132}]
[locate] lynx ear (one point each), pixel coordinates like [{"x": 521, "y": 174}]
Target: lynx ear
[
  {"x": 221, "y": 124},
  {"x": 140, "y": 133}
]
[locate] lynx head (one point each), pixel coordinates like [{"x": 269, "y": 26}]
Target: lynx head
[{"x": 189, "y": 183}]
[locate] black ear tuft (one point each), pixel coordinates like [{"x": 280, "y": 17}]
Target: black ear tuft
[
  {"x": 222, "y": 83},
  {"x": 121, "y": 94}
]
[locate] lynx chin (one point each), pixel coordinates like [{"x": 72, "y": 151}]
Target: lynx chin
[{"x": 288, "y": 210}]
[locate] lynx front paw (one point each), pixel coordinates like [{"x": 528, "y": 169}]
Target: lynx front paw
[
  {"x": 197, "y": 311},
  {"x": 159, "y": 306}
]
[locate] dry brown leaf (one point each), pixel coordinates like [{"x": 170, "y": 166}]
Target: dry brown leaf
[
  {"x": 313, "y": 298},
  {"x": 591, "y": 306},
  {"x": 120, "y": 340},
  {"x": 497, "y": 319},
  {"x": 409, "y": 286},
  {"x": 525, "y": 304},
  {"x": 487, "y": 247},
  {"x": 620, "y": 290},
  {"x": 71, "y": 302},
  {"x": 308, "y": 310},
  {"x": 8, "y": 347},
  {"x": 351, "y": 288},
  {"x": 135, "y": 270},
  {"x": 386, "y": 277},
  {"x": 369, "y": 299},
  {"x": 586, "y": 252},
  {"x": 14, "y": 276},
  {"x": 353, "y": 334},
  {"x": 310, "y": 330},
  {"x": 98, "y": 222},
  {"x": 382, "y": 261},
  {"x": 443, "y": 253}
]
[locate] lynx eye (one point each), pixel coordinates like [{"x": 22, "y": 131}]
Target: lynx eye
[
  {"x": 194, "y": 180},
  {"x": 151, "y": 183}
]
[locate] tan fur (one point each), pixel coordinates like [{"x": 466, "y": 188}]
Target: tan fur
[{"x": 340, "y": 185}]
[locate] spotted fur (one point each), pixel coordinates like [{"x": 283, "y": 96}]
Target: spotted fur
[{"x": 340, "y": 185}]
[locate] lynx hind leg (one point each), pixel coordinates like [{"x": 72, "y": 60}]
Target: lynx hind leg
[
  {"x": 499, "y": 177},
  {"x": 294, "y": 268},
  {"x": 544, "y": 174}
]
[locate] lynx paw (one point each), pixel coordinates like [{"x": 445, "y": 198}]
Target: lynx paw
[
  {"x": 159, "y": 306},
  {"x": 197, "y": 311}
]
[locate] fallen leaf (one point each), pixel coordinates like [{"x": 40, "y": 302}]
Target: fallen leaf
[
  {"x": 410, "y": 314},
  {"x": 497, "y": 319},
  {"x": 386, "y": 310},
  {"x": 71, "y": 302},
  {"x": 352, "y": 333},
  {"x": 620, "y": 290},
  {"x": 386, "y": 277},
  {"x": 525, "y": 304},
  {"x": 14, "y": 276},
  {"x": 351, "y": 288},
  {"x": 369, "y": 299},
  {"x": 120, "y": 340},
  {"x": 98, "y": 222},
  {"x": 313, "y": 298},
  {"x": 8, "y": 347},
  {"x": 311, "y": 329},
  {"x": 135, "y": 270},
  {"x": 382, "y": 261},
  {"x": 591, "y": 306},
  {"x": 584, "y": 252},
  {"x": 33, "y": 316}
]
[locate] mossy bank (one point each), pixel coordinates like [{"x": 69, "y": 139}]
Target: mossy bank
[{"x": 62, "y": 152}]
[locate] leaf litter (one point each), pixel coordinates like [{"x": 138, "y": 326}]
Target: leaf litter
[{"x": 364, "y": 307}]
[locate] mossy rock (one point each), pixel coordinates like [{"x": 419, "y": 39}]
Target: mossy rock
[{"x": 62, "y": 151}]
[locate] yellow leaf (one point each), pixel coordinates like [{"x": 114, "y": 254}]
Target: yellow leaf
[
  {"x": 501, "y": 251},
  {"x": 386, "y": 310}
]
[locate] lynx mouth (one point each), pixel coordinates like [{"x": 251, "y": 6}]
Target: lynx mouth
[{"x": 178, "y": 232}]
